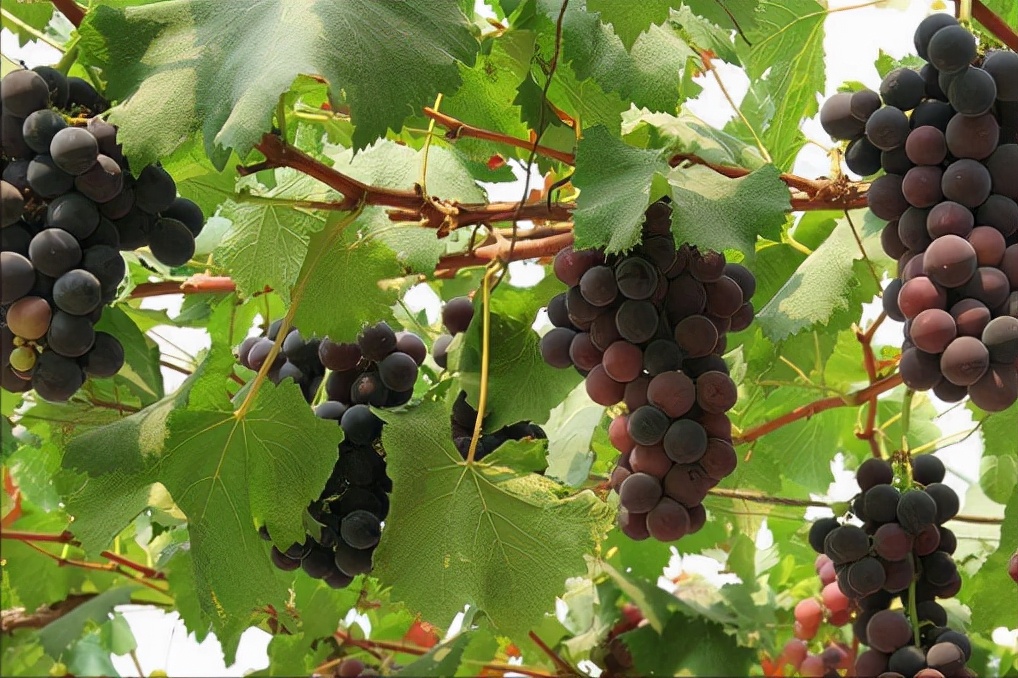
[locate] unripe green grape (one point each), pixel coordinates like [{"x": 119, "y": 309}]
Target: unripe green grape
[{"x": 23, "y": 359}]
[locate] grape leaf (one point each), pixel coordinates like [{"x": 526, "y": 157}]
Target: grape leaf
[
  {"x": 570, "y": 428},
  {"x": 998, "y": 476},
  {"x": 989, "y": 608},
  {"x": 686, "y": 133},
  {"x": 357, "y": 271},
  {"x": 630, "y": 21},
  {"x": 441, "y": 660},
  {"x": 59, "y": 634},
  {"x": 787, "y": 56},
  {"x": 650, "y": 74},
  {"x": 615, "y": 189},
  {"x": 226, "y": 473},
  {"x": 269, "y": 238},
  {"x": 391, "y": 165},
  {"x": 33, "y": 15},
  {"x": 151, "y": 56},
  {"x": 505, "y": 543},
  {"x": 828, "y": 282},
  {"x": 714, "y": 212},
  {"x": 695, "y": 647},
  {"x": 515, "y": 365}
]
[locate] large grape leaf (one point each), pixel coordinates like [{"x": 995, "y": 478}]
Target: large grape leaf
[
  {"x": 515, "y": 365},
  {"x": 504, "y": 543},
  {"x": 998, "y": 468},
  {"x": 831, "y": 281},
  {"x": 713, "y": 212},
  {"x": 175, "y": 65},
  {"x": 268, "y": 238},
  {"x": 26, "y": 17},
  {"x": 787, "y": 55},
  {"x": 686, "y": 133},
  {"x": 226, "y": 472},
  {"x": 615, "y": 189},
  {"x": 629, "y": 21}
]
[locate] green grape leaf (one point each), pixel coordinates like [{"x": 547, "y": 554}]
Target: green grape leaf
[
  {"x": 269, "y": 237},
  {"x": 998, "y": 469},
  {"x": 358, "y": 272},
  {"x": 696, "y": 647},
  {"x": 650, "y": 74},
  {"x": 59, "y": 634},
  {"x": 656, "y": 604},
  {"x": 487, "y": 96},
  {"x": 226, "y": 472},
  {"x": 117, "y": 636},
  {"x": 713, "y": 212},
  {"x": 505, "y": 543},
  {"x": 630, "y": 21},
  {"x": 390, "y": 165},
  {"x": 141, "y": 354},
  {"x": 441, "y": 660},
  {"x": 615, "y": 189},
  {"x": 25, "y": 18},
  {"x": 989, "y": 608},
  {"x": 150, "y": 54},
  {"x": 686, "y": 133},
  {"x": 828, "y": 284},
  {"x": 515, "y": 364},
  {"x": 787, "y": 56},
  {"x": 570, "y": 428},
  {"x": 1005, "y": 9}
]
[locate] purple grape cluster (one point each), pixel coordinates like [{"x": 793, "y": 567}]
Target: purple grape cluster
[
  {"x": 70, "y": 205},
  {"x": 380, "y": 370},
  {"x": 648, "y": 328},
  {"x": 901, "y": 549},
  {"x": 946, "y": 138}
]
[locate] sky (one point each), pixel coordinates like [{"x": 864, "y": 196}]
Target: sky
[{"x": 853, "y": 40}]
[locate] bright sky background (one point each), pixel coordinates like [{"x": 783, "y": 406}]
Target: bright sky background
[{"x": 854, "y": 38}]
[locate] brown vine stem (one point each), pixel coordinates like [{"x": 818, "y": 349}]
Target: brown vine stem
[
  {"x": 110, "y": 567},
  {"x": 457, "y": 129},
  {"x": 997, "y": 26},
  {"x": 562, "y": 665},
  {"x": 853, "y": 399},
  {"x": 869, "y": 432},
  {"x": 391, "y": 646},
  {"x": 68, "y": 538},
  {"x": 71, "y": 10}
]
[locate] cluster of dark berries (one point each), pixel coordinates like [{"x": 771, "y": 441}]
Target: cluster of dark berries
[
  {"x": 946, "y": 138},
  {"x": 69, "y": 206},
  {"x": 648, "y": 328}
]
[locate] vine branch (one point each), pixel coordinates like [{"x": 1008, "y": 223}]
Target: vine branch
[
  {"x": 65, "y": 537},
  {"x": 995, "y": 25},
  {"x": 71, "y": 10},
  {"x": 457, "y": 129},
  {"x": 853, "y": 399}
]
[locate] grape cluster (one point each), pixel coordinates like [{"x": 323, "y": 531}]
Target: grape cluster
[
  {"x": 648, "y": 328},
  {"x": 946, "y": 139},
  {"x": 69, "y": 206},
  {"x": 380, "y": 370},
  {"x": 456, "y": 316},
  {"x": 901, "y": 550}
]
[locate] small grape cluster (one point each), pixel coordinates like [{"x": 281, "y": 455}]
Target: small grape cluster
[
  {"x": 648, "y": 328},
  {"x": 457, "y": 313},
  {"x": 901, "y": 550},
  {"x": 69, "y": 206},
  {"x": 945, "y": 137},
  {"x": 380, "y": 370}
]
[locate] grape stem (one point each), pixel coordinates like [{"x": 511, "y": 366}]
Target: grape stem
[
  {"x": 993, "y": 23},
  {"x": 562, "y": 665},
  {"x": 38, "y": 35},
  {"x": 708, "y": 64},
  {"x": 906, "y": 420},
  {"x": 20, "y": 618},
  {"x": 482, "y": 397},
  {"x": 457, "y": 129},
  {"x": 853, "y": 399},
  {"x": 869, "y": 432},
  {"x": 71, "y": 10}
]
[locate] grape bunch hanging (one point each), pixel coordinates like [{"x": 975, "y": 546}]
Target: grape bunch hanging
[
  {"x": 648, "y": 328},
  {"x": 456, "y": 316},
  {"x": 70, "y": 204},
  {"x": 900, "y": 552},
  {"x": 946, "y": 138},
  {"x": 380, "y": 370}
]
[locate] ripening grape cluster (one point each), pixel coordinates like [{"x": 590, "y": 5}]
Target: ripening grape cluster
[
  {"x": 380, "y": 370},
  {"x": 902, "y": 549},
  {"x": 69, "y": 206},
  {"x": 832, "y": 607},
  {"x": 648, "y": 328},
  {"x": 946, "y": 138},
  {"x": 456, "y": 316}
]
